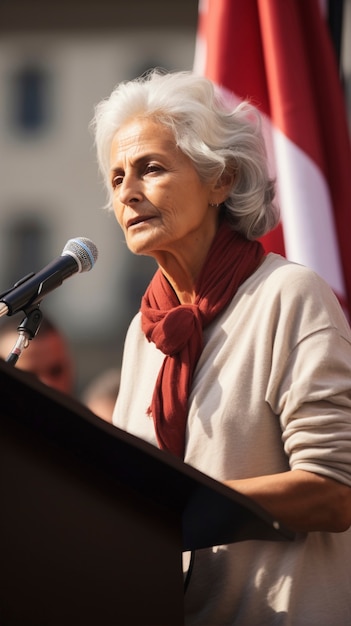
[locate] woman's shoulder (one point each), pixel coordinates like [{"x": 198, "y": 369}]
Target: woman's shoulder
[
  {"x": 281, "y": 274},
  {"x": 299, "y": 290},
  {"x": 284, "y": 267}
]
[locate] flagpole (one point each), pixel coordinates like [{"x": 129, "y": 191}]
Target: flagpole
[{"x": 335, "y": 24}]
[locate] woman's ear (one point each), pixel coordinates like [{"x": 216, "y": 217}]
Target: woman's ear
[{"x": 222, "y": 186}]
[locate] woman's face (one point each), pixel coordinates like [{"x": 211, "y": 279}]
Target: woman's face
[{"x": 159, "y": 200}]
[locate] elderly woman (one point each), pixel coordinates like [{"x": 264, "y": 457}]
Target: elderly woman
[{"x": 238, "y": 362}]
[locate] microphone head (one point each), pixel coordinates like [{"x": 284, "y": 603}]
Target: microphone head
[{"x": 83, "y": 251}]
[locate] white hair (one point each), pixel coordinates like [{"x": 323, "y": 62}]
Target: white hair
[{"x": 215, "y": 138}]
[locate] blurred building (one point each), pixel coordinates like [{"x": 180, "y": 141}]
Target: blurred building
[{"x": 57, "y": 60}]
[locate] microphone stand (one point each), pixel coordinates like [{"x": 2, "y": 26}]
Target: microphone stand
[
  {"x": 4, "y": 309},
  {"x": 27, "y": 330}
]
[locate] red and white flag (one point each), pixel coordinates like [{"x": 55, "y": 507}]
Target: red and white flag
[{"x": 278, "y": 54}]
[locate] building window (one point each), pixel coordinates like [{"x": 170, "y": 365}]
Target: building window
[
  {"x": 29, "y": 99},
  {"x": 25, "y": 239}
]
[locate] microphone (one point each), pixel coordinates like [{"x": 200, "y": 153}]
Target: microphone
[{"x": 78, "y": 255}]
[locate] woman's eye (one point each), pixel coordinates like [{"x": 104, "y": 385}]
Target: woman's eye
[
  {"x": 117, "y": 180},
  {"x": 152, "y": 167}
]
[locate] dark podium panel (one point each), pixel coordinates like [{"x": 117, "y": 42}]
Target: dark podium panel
[{"x": 94, "y": 520}]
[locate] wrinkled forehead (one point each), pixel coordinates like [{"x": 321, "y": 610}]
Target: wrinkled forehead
[{"x": 141, "y": 136}]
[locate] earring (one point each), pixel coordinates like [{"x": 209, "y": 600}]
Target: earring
[{"x": 213, "y": 204}]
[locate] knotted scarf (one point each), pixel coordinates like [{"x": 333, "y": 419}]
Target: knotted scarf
[{"x": 177, "y": 329}]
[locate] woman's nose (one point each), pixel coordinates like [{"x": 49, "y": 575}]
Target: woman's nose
[{"x": 130, "y": 190}]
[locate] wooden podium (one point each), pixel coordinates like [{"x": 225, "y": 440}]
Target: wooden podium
[{"x": 94, "y": 520}]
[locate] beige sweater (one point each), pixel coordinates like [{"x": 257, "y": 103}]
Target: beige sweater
[{"x": 271, "y": 391}]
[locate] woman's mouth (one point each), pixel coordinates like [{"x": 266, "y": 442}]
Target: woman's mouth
[{"x": 138, "y": 220}]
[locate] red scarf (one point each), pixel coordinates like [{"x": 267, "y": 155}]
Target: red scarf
[{"x": 176, "y": 329}]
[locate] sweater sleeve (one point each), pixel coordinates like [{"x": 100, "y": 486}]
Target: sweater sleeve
[
  {"x": 312, "y": 380},
  {"x": 316, "y": 408}
]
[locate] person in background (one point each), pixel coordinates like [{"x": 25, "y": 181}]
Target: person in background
[
  {"x": 101, "y": 393},
  {"x": 239, "y": 362},
  {"x": 47, "y": 356}
]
